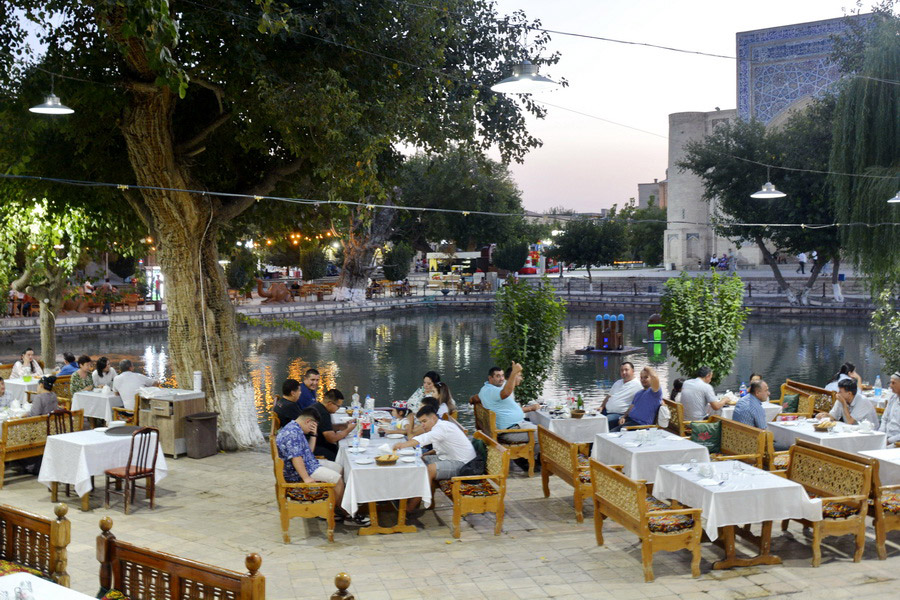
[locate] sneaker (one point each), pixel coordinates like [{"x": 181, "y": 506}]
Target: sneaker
[{"x": 358, "y": 520}]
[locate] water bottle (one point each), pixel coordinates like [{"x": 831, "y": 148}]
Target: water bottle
[
  {"x": 354, "y": 399},
  {"x": 878, "y": 386},
  {"x": 571, "y": 399},
  {"x": 743, "y": 389},
  {"x": 418, "y": 452}
]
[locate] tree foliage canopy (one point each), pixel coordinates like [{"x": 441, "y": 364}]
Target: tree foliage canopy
[
  {"x": 510, "y": 255},
  {"x": 585, "y": 242}
]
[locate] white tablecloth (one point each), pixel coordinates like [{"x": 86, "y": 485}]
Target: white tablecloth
[
  {"x": 16, "y": 388},
  {"x": 96, "y": 405},
  {"x": 750, "y": 495},
  {"x": 74, "y": 457},
  {"x": 772, "y": 411},
  {"x": 577, "y": 431},
  {"x": 888, "y": 464},
  {"x": 641, "y": 461},
  {"x": 785, "y": 432},
  {"x": 40, "y": 588},
  {"x": 374, "y": 483}
]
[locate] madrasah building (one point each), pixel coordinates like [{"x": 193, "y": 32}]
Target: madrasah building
[{"x": 779, "y": 70}]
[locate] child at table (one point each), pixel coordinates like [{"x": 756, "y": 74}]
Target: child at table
[{"x": 404, "y": 420}]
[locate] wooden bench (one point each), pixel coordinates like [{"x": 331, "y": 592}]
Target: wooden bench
[
  {"x": 843, "y": 485},
  {"x": 486, "y": 422},
  {"x": 6, "y": 370},
  {"x": 26, "y": 438},
  {"x": 625, "y": 501},
  {"x": 477, "y": 494},
  {"x": 561, "y": 458},
  {"x": 297, "y": 499},
  {"x": 812, "y": 400},
  {"x": 36, "y": 543},
  {"x": 741, "y": 442},
  {"x": 677, "y": 424},
  {"x": 143, "y": 574},
  {"x": 62, "y": 388}
]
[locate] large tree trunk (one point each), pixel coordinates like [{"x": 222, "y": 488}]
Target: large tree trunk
[
  {"x": 811, "y": 280},
  {"x": 49, "y": 294},
  {"x": 367, "y": 234},
  {"x": 836, "y": 291},
  {"x": 773, "y": 264}
]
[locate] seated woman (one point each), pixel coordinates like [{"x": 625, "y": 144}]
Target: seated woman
[
  {"x": 103, "y": 373},
  {"x": 45, "y": 402},
  {"x": 27, "y": 366},
  {"x": 81, "y": 380},
  {"x": 432, "y": 386}
]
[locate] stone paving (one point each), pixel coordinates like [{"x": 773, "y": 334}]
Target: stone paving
[{"x": 220, "y": 508}]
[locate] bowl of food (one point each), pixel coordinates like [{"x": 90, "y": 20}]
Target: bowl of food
[
  {"x": 386, "y": 459},
  {"x": 825, "y": 425},
  {"x": 577, "y": 414}
]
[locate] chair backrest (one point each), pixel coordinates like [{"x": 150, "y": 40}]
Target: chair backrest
[
  {"x": 35, "y": 541},
  {"x": 740, "y": 438},
  {"x": 60, "y": 421},
  {"x": 813, "y": 399},
  {"x": 851, "y": 456},
  {"x": 497, "y": 456},
  {"x": 6, "y": 370},
  {"x": 561, "y": 454},
  {"x": 622, "y": 498},
  {"x": 277, "y": 463},
  {"x": 825, "y": 474},
  {"x": 144, "y": 448},
  {"x": 676, "y": 417},
  {"x": 485, "y": 420},
  {"x": 62, "y": 387},
  {"x": 144, "y": 574},
  {"x": 24, "y": 437},
  {"x": 276, "y": 423}
]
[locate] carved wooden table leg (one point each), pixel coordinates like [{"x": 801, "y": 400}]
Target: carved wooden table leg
[
  {"x": 763, "y": 542},
  {"x": 400, "y": 527}
]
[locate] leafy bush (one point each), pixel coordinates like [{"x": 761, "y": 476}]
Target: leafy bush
[
  {"x": 886, "y": 326},
  {"x": 510, "y": 256},
  {"x": 313, "y": 263},
  {"x": 397, "y": 261},
  {"x": 704, "y": 317},
  {"x": 241, "y": 270},
  {"x": 528, "y": 320}
]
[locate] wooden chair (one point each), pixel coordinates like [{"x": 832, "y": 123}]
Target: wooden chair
[
  {"x": 477, "y": 494},
  {"x": 36, "y": 544},
  {"x": 6, "y": 370},
  {"x": 741, "y": 442},
  {"x": 775, "y": 461},
  {"x": 131, "y": 417},
  {"x": 561, "y": 458},
  {"x": 276, "y": 424},
  {"x": 624, "y": 500},
  {"x": 143, "y": 574},
  {"x": 486, "y": 422},
  {"x": 62, "y": 389},
  {"x": 60, "y": 421},
  {"x": 25, "y": 438},
  {"x": 844, "y": 487},
  {"x": 677, "y": 424},
  {"x": 813, "y": 399},
  {"x": 306, "y": 500},
  {"x": 141, "y": 465}
]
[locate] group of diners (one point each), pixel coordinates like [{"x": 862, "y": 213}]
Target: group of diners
[{"x": 307, "y": 431}]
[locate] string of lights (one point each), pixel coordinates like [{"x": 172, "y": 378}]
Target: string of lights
[{"x": 422, "y": 209}]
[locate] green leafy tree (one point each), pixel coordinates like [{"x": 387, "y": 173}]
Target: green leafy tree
[
  {"x": 646, "y": 232},
  {"x": 397, "y": 261},
  {"x": 704, "y": 317},
  {"x": 585, "y": 242},
  {"x": 313, "y": 263},
  {"x": 528, "y": 320},
  {"x": 510, "y": 256},
  {"x": 886, "y": 327},
  {"x": 241, "y": 270},
  {"x": 257, "y": 98}
]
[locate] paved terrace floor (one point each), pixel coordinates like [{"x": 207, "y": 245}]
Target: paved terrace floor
[{"x": 220, "y": 508}]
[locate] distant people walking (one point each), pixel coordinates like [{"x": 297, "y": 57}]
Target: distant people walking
[{"x": 801, "y": 259}]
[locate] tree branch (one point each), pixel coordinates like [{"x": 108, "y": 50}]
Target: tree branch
[
  {"x": 215, "y": 89},
  {"x": 22, "y": 282},
  {"x": 265, "y": 186},
  {"x": 203, "y": 134}
]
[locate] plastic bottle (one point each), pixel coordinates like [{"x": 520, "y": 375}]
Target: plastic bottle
[
  {"x": 570, "y": 400},
  {"x": 354, "y": 399},
  {"x": 418, "y": 452},
  {"x": 743, "y": 389},
  {"x": 878, "y": 385}
]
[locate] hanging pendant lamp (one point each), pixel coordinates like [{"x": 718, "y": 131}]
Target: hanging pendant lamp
[
  {"x": 524, "y": 80},
  {"x": 895, "y": 199},
  {"x": 768, "y": 191},
  {"x": 52, "y": 104}
]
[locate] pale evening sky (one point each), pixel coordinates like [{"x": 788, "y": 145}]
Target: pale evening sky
[{"x": 586, "y": 164}]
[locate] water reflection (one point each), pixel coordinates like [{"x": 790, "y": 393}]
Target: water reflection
[{"x": 387, "y": 356}]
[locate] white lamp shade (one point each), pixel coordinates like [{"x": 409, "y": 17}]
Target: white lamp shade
[
  {"x": 52, "y": 106},
  {"x": 768, "y": 192},
  {"x": 895, "y": 199},
  {"x": 524, "y": 80}
]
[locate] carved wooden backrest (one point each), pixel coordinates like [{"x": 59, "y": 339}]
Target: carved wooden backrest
[
  {"x": 813, "y": 399},
  {"x": 740, "y": 438},
  {"x": 276, "y": 424},
  {"x": 62, "y": 387},
  {"x": 35, "y": 541},
  {"x": 622, "y": 497},
  {"x": 485, "y": 420},
  {"x": 144, "y": 574},
  {"x": 562, "y": 455},
  {"x": 824, "y": 474},
  {"x": 851, "y": 456},
  {"x": 6, "y": 370},
  {"x": 277, "y": 463},
  {"x": 676, "y": 417},
  {"x": 497, "y": 456}
]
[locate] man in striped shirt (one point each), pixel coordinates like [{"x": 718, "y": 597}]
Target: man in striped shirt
[{"x": 749, "y": 408}]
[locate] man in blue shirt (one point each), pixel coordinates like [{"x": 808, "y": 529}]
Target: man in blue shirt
[
  {"x": 645, "y": 404},
  {"x": 70, "y": 367},
  {"x": 498, "y": 394},
  {"x": 308, "y": 389},
  {"x": 749, "y": 410}
]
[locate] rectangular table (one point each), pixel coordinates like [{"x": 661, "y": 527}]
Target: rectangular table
[
  {"x": 374, "y": 483},
  {"x": 96, "y": 404},
  {"x": 17, "y": 387},
  {"x": 73, "y": 458},
  {"x": 577, "y": 431},
  {"x": 888, "y": 464},
  {"x": 641, "y": 458},
  {"x": 843, "y": 438},
  {"x": 772, "y": 410},
  {"x": 744, "y": 495},
  {"x": 40, "y": 588}
]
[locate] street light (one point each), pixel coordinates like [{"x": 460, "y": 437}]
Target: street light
[
  {"x": 895, "y": 199},
  {"x": 524, "y": 80},
  {"x": 768, "y": 191},
  {"x": 52, "y": 105}
]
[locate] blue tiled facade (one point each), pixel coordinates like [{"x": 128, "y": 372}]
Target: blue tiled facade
[{"x": 780, "y": 65}]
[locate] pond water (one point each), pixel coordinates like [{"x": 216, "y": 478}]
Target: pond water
[{"x": 386, "y": 356}]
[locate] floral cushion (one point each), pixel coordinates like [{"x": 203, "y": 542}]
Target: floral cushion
[
  {"x": 8, "y": 567},
  {"x": 669, "y": 523},
  {"x": 781, "y": 461},
  {"x": 656, "y": 504},
  {"x": 114, "y": 595},
  {"x": 583, "y": 461},
  {"x": 584, "y": 477},
  {"x": 890, "y": 501},
  {"x": 469, "y": 488},
  {"x": 836, "y": 510},
  {"x": 306, "y": 494}
]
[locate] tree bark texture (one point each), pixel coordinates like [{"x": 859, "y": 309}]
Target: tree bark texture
[
  {"x": 817, "y": 267},
  {"x": 773, "y": 264},
  {"x": 367, "y": 234},
  {"x": 49, "y": 294}
]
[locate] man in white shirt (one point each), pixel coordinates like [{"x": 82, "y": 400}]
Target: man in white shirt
[
  {"x": 851, "y": 407},
  {"x": 698, "y": 397},
  {"x": 890, "y": 420},
  {"x": 127, "y": 382},
  {"x": 621, "y": 395},
  {"x": 452, "y": 448}
]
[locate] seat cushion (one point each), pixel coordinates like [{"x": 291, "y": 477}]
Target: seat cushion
[
  {"x": 781, "y": 461},
  {"x": 890, "y": 501},
  {"x": 469, "y": 488},
  {"x": 114, "y": 595},
  {"x": 584, "y": 477},
  {"x": 306, "y": 494},
  {"x": 707, "y": 434},
  {"x": 791, "y": 403},
  {"x": 654, "y": 503},
  {"x": 132, "y": 471},
  {"x": 836, "y": 510},
  {"x": 8, "y": 567},
  {"x": 583, "y": 460},
  {"x": 669, "y": 523}
]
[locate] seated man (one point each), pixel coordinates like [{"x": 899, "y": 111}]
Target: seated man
[
  {"x": 498, "y": 395},
  {"x": 287, "y": 407},
  {"x": 890, "y": 420},
  {"x": 749, "y": 409},
  {"x": 851, "y": 407},
  {"x": 127, "y": 382},
  {"x": 70, "y": 367},
  {"x": 300, "y": 464},
  {"x": 620, "y": 396},
  {"x": 698, "y": 397},
  {"x": 309, "y": 388},
  {"x": 646, "y": 402},
  {"x": 327, "y": 437},
  {"x": 452, "y": 448}
]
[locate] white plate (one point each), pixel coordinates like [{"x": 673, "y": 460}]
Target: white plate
[
  {"x": 395, "y": 436},
  {"x": 356, "y": 450},
  {"x": 101, "y": 429},
  {"x": 406, "y": 451},
  {"x": 408, "y": 459},
  {"x": 365, "y": 460}
]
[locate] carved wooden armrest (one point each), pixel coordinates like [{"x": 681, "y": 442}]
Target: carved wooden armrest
[
  {"x": 855, "y": 499},
  {"x": 476, "y": 477},
  {"x": 886, "y": 488},
  {"x": 735, "y": 456},
  {"x": 694, "y": 512},
  {"x": 780, "y": 473}
]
